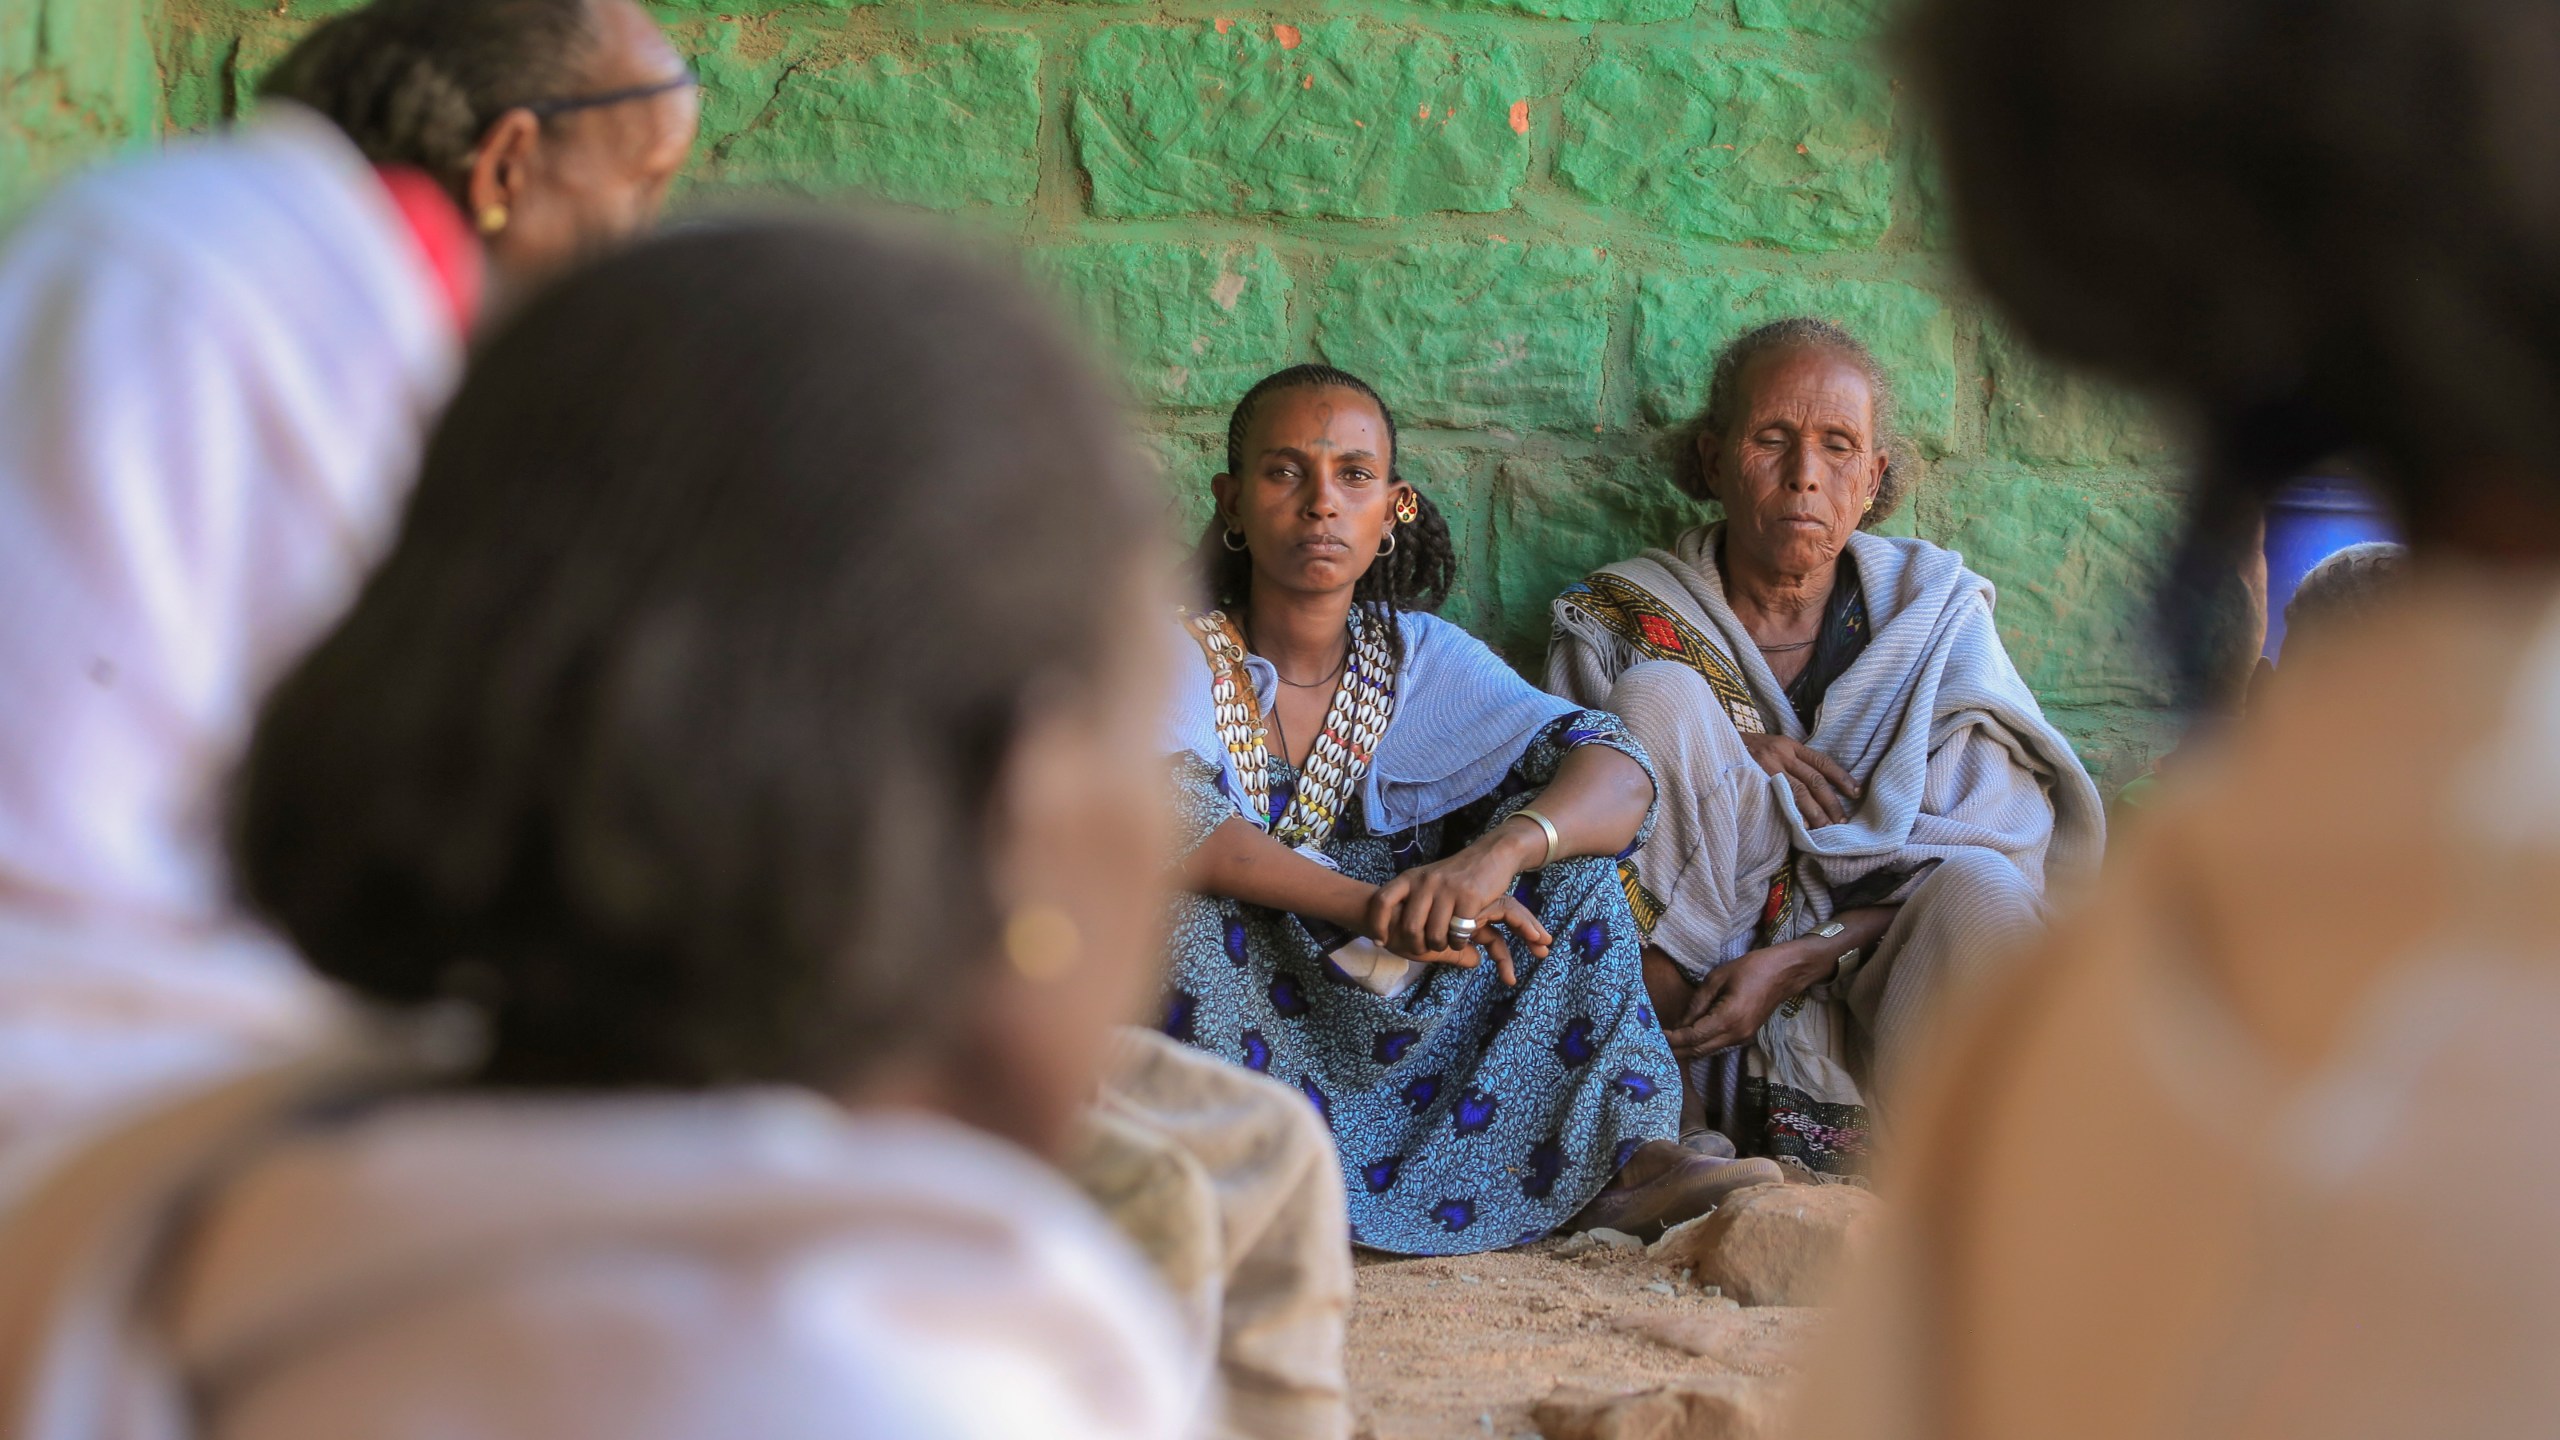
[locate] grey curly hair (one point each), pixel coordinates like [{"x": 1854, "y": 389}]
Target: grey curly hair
[
  {"x": 1799, "y": 332},
  {"x": 418, "y": 82},
  {"x": 2345, "y": 588}
]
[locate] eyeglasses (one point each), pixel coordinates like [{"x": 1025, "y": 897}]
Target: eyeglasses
[{"x": 545, "y": 109}]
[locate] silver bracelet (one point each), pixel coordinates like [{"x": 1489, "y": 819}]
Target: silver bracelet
[
  {"x": 1840, "y": 962},
  {"x": 1553, "y": 839}
]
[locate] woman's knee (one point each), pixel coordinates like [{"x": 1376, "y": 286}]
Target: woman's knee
[
  {"x": 1984, "y": 881},
  {"x": 1664, "y": 703}
]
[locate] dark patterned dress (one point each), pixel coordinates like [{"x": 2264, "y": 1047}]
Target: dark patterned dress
[{"x": 1470, "y": 1116}]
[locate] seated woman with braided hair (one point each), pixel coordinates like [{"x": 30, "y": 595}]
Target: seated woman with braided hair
[
  {"x": 1374, "y": 806},
  {"x": 1850, "y": 763}
]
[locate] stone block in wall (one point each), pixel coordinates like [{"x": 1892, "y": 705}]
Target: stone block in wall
[
  {"x": 77, "y": 77},
  {"x": 1846, "y": 19},
  {"x": 1557, "y": 518},
  {"x": 1194, "y": 325},
  {"x": 734, "y": 7},
  {"x": 196, "y": 67},
  {"x": 2044, "y": 414},
  {"x": 1741, "y": 149},
  {"x": 2117, "y": 742},
  {"x": 1682, "y": 321},
  {"x": 1466, "y": 334},
  {"x": 738, "y": 75},
  {"x": 1458, "y": 480},
  {"x": 1624, "y": 12},
  {"x": 262, "y": 49},
  {"x": 943, "y": 125},
  {"x": 1340, "y": 118},
  {"x": 2076, "y": 557},
  {"x": 1186, "y": 461}
]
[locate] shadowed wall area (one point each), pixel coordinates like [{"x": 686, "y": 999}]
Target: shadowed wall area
[{"x": 1530, "y": 222}]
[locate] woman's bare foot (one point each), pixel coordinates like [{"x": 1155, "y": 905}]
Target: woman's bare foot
[{"x": 1665, "y": 1183}]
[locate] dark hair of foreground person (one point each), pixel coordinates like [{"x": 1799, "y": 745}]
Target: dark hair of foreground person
[
  {"x": 2312, "y": 227},
  {"x": 673, "y": 731}
]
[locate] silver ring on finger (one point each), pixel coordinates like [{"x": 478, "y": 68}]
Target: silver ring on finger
[{"x": 1462, "y": 933}]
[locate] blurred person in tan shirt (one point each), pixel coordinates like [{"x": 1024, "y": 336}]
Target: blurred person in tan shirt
[{"x": 2264, "y": 1145}]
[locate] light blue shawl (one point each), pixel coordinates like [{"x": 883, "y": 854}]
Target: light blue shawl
[{"x": 1462, "y": 719}]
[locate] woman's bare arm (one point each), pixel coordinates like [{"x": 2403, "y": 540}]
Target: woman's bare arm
[
  {"x": 1240, "y": 862},
  {"x": 1596, "y": 802}
]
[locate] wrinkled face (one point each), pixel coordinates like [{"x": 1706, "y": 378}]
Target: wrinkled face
[
  {"x": 1315, "y": 500},
  {"x": 1802, "y": 464},
  {"x": 1084, "y": 833},
  {"x": 587, "y": 180}
]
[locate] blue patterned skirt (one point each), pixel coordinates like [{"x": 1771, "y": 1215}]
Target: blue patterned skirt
[{"x": 1471, "y": 1116}]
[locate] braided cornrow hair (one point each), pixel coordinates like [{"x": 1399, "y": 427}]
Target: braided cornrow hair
[
  {"x": 1424, "y": 565},
  {"x": 419, "y": 82}
]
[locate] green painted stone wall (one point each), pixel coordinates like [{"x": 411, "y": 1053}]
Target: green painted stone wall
[
  {"x": 1530, "y": 222},
  {"x": 77, "y": 79}
]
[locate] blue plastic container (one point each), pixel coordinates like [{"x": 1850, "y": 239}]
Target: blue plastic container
[{"x": 2311, "y": 521}]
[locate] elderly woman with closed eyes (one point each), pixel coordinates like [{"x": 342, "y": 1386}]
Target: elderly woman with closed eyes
[{"x": 1861, "y": 801}]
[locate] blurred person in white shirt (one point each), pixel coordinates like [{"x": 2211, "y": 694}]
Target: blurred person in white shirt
[{"x": 216, "y": 367}]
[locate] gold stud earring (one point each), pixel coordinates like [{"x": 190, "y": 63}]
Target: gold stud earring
[
  {"x": 1871, "y": 502},
  {"x": 1041, "y": 943},
  {"x": 493, "y": 219}
]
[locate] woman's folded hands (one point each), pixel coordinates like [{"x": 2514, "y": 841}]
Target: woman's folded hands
[
  {"x": 1413, "y": 914},
  {"x": 1738, "y": 997},
  {"x": 1825, "y": 791}
]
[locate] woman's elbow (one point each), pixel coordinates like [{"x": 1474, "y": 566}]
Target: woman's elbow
[{"x": 1630, "y": 792}]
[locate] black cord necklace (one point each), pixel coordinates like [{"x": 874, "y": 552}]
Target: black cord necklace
[
  {"x": 1335, "y": 674},
  {"x": 1329, "y": 677}
]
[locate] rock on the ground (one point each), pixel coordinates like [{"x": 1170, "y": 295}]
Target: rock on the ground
[
  {"x": 1603, "y": 1238},
  {"x": 1777, "y": 1244},
  {"x": 1760, "y": 1342},
  {"x": 1715, "y": 1407}
]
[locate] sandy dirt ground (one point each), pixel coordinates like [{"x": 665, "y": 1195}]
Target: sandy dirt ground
[{"x": 1442, "y": 1349}]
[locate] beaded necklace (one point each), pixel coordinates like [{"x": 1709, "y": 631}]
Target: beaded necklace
[{"x": 1353, "y": 722}]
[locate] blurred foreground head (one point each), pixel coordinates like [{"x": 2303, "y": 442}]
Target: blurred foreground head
[
  {"x": 760, "y": 691},
  {"x": 2174, "y": 1178},
  {"x": 557, "y": 125},
  {"x": 2316, "y": 225}
]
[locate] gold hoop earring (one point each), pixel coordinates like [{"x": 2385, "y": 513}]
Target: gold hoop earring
[
  {"x": 1234, "y": 540},
  {"x": 1042, "y": 943},
  {"x": 1390, "y": 547},
  {"x": 493, "y": 219}
]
